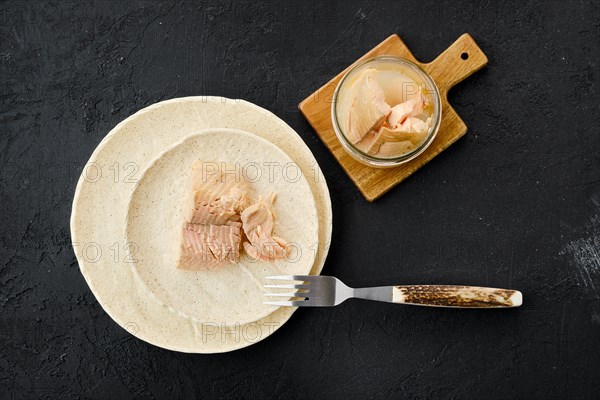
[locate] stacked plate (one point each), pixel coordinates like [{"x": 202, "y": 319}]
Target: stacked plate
[{"x": 127, "y": 211}]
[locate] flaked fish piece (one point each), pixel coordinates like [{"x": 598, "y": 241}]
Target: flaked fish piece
[
  {"x": 220, "y": 241},
  {"x": 207, "y": 228},
  {"x": 401, "y": 133},
  {"x": 191, "y": 261},
  {"x": 370, "y": 141},
  {"x": 212, "y": 235},
  {"x": 207, "y": 214},
  {"x": 258, "y": 222},
  {"x": 210, "y": 245},
  {"x": 220, "y": 183},
  {"x": 267, "y": 250},
  {"x": 234, "y": 200},
  {"x": 382, "y": 106},
  {"x": 400, "y": 112},
  {"x": 390, "y": 142},
  {"x": 415, "y": 125},
  {"x": 368, "y": 108},
  {"x": 393, "y": 148}
]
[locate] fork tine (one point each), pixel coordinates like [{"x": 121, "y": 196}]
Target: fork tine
[
  {"x": 296, "y": 303},
  {"x": 296, "y": 294},
  {"x": 304, "y": 278},
  {"x": 299, "y": 286},
  {"x": 282, "y": 277}
]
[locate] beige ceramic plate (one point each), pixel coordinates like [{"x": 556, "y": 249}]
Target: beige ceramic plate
[
  {"x": 233, "y": 293},
  {"x": 100, "y": 206}
]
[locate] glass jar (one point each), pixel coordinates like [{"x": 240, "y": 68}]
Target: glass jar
[{"x": 393, "y": 64}]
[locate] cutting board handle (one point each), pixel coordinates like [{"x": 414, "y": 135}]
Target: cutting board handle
[{"x": 456, "y": 63}]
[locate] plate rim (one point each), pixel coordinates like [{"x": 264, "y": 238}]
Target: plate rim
[
  {"x": 157, "y": 159},
  {"x": 325, "y": 198}
]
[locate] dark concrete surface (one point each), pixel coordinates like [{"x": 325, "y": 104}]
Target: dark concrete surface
[{"x": 515, "y": 203}]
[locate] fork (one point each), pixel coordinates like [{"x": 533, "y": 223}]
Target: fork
[{"x": 328, "y": 291}]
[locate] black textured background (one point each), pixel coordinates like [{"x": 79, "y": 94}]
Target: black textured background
[{"x": 515, "y": 203}]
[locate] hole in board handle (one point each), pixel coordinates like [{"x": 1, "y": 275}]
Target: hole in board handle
[{"x": 464, "y": 56}]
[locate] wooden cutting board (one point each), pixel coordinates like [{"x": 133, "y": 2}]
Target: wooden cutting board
[{"x": 456, "y": 63}]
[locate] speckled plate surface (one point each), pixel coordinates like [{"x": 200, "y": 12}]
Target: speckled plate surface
[
  {"x": 159, "y": 207},
  {"x": 100, "y": 206}
]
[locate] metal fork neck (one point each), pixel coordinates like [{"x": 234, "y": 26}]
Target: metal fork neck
[{"x": 379, "y": 293}]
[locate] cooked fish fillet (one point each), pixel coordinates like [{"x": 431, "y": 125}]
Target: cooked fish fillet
[
  {"x": 389, "y": 143},
  {"x": 212, "y": 214},
  {"x": 400, "y": 112},
  {"x": 415, "y": 125},
  {"x": 221, "y": 207},
  {"x": 257, "y": 222},
  {"x": 212, "y": 236},
  {"x": 210, "y": 245},
  {"x": 219, "y": 183},
  {"x": 368, "y": 108}
]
